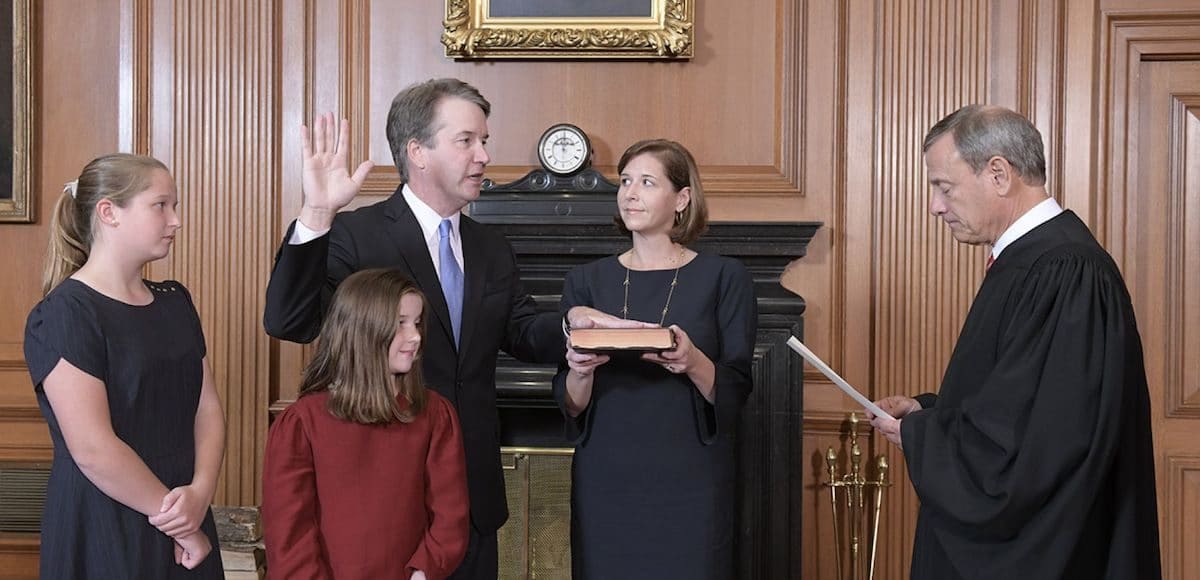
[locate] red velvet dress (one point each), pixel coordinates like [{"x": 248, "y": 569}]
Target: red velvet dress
[{"x": 345, "y": 500}]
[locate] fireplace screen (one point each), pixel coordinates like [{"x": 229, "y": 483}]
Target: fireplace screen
[{"x": 535, "y": 543}]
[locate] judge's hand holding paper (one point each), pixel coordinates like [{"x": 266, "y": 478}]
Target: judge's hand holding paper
[{"x": 884, "y": 415}]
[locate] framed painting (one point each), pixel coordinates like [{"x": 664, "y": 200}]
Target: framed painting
[
  {"x": 16, "y": 113},
  {"x": 571, "y": 29}
]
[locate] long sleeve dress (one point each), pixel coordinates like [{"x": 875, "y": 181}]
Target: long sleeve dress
[
  {"x": 351, "y": 501},
  {"x": 151, "y": 361},
  {"x": 653, "y": 473}
]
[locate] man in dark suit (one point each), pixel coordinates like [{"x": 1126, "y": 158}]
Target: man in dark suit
[{"x": 437, "y": 131}]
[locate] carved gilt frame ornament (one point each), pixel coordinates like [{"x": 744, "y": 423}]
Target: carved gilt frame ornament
[
  {"x": 17, "y": 205},
  {"x": 666, "y": 34}
]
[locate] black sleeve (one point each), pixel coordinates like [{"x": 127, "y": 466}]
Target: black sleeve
[
  {"x": 62, "y": 326},
  {"x": 927, "y": 400},
  {"x": 531, "y": 336},
  {"x": 302, "y": 283},
  {"x": 1046, "y": 420},
  {"x": 193, "y": 317},
  {"x": 737, "y": 319}
]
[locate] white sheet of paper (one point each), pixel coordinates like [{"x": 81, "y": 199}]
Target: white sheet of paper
[{"x": 815, "y": 361}]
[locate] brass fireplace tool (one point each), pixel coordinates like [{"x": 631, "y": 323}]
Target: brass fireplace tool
[{"x": 854, "y": 490}]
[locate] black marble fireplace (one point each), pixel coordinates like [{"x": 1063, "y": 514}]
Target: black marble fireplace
[{"x": 557, "y": 223}]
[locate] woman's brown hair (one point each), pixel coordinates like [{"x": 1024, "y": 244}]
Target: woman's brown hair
[
  {"x": 351, "y": 361},
  {"x": 682, "y": 172},
  {"x": 117, "y": 177}
]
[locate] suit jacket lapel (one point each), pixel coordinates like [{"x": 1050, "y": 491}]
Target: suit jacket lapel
[
  {"x": 410, "y": 239},
  {"x": 474, "y": 275}
]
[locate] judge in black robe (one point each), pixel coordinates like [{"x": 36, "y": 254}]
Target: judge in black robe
[{"x": 1035, "y": 459}]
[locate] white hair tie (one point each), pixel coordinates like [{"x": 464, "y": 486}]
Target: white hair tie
[{"x": 71, "y": 187}]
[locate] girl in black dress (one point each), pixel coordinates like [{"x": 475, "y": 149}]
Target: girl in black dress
[
  {"x": 120, "y": 371},
  {"x": 653, "y": 474}
]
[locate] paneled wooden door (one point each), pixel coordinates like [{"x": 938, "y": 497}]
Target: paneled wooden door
[{"x": 1159, "y": 252}]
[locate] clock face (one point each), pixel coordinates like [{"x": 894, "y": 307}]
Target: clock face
[{"x": 564, "y": 149}]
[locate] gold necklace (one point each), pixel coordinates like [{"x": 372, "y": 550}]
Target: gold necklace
[{"x": 670, "y": 293}]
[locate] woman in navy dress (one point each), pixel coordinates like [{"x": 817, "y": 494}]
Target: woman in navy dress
[
  {"x": 119, "y": 367},
  {"x": 653, "y": 474}
]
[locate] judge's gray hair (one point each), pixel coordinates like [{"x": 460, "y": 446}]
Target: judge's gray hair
[{"x": 982, "y": 132}]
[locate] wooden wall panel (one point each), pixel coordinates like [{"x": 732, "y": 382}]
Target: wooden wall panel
[
  {"x": 75, "y": 96},
  {"x": 1179, "y": 115},
  {"x": 931, "y": 58},
  {"x": 18, "y": 406},
  {"x": 1182, "y": 520},
  {"x": 1027, "y": 65},
  {"x": 796, "y": 110},
  {"x": 76, "y": 121},
  {"x": 733, "y": 78},
  {"x": 19, "y": 556},
  {"x": 1153, "y": 172},
  {"x": 26, "y": 438},
  {"x": 1183, "y": 396},
  {"x": 212, "y": 86},
  {"x": 724, "y": 103}
]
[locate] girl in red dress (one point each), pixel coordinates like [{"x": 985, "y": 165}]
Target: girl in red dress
[{"x": 364, "y": 475}]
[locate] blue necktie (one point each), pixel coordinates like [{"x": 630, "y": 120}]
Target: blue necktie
[{"x": 451, "y": 276}]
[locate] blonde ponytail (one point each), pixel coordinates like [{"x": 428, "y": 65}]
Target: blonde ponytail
[
  {"x": 117, "y": 177},
  {"x": 67, "y": 253}
]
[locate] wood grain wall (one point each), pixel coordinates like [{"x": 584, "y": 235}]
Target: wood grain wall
[{"x": 795, "y": 109}]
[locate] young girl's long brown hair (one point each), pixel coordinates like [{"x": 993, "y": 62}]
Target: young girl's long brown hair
[
  {"x": 351, "y": 361},
  {"x": 118, "y": 177}
]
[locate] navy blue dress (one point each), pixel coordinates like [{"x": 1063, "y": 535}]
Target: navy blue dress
[
  {"x": 150, "y": 360},
  {"x": 653, "y": 473}
]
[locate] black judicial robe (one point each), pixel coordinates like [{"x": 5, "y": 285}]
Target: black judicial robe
[{"x": 1035, "y": 459}]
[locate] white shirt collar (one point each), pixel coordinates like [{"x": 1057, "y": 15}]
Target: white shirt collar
[
  {"x": 427, "y": 218},
  {"x": 1039, "y": 214}
]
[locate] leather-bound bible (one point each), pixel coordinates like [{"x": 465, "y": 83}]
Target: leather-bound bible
[{"x": 622, "y": 339}]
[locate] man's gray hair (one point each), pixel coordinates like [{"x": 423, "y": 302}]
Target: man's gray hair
[
  {"x": 982, "y": 132},
  {"x": 414, "y": 111}
]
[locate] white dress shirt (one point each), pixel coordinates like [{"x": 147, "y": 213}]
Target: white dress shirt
[
  {"x": 1036, "y": 216},
  {"x": 428, "y": 219}
]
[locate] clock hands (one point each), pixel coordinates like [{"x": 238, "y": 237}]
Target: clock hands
[{"x": 563, "y": 149}]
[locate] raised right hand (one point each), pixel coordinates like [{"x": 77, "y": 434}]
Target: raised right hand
[{"x": 328, "y": 184}]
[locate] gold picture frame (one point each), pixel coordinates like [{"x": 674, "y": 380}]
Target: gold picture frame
[
  {"x": 17, "y": 201},
  {"x": 472, "y": 32}
]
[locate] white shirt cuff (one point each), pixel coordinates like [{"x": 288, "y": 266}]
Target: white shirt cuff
[{"x": 302, "y": 234}]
